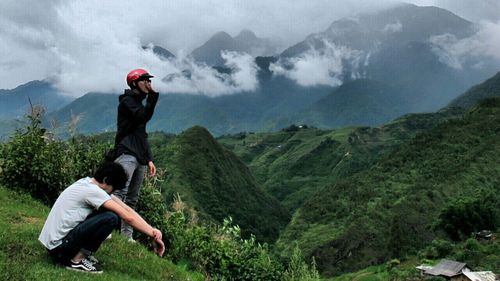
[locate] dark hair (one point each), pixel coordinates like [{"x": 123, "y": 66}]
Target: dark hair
[{"x": 111, "y": 173}]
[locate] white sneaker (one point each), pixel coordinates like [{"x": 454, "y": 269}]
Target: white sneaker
[{"x": 85, "y": 266}]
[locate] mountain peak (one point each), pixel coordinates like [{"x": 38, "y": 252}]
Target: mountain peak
[
  {"x": 159, "y": 51},
  {"x": 245, "y": 42},
  {"x": 221, "y": 35},
  {"x": 246, "y": 35},
  {"x": 394, "y": 26}
]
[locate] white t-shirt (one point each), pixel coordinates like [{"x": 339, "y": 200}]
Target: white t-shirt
[{"x": 72, "y": 207}]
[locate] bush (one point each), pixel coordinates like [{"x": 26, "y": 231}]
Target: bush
[
  {"x": 461, "y": 217},
  {"x": 218, "y": 251},
  {"x": 34, "y": 162},
  {"x": 438, "y": 249},
  {"x": 298, "y": 270}
]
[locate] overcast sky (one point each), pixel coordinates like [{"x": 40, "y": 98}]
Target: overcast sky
[{"x": 90, "y": 45}]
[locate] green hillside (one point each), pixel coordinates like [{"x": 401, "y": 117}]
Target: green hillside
[
  {"x": 359, "y": 102},
  {"x": 444, "y": 181},
  {"x": 22, "y": 257},
  {"x": 218, "y": 184},
  {"x": 294, "y": 163}
]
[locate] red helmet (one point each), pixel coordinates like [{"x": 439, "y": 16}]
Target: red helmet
[{"x": 136, "y": 74}]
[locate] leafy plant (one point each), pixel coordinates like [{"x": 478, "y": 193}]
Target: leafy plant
[{"x": 34, "y": 162}]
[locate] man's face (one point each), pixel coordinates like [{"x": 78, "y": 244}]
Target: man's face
[
  {"x": 144, "y": 85},
  {"x": 108, "y": 188}
]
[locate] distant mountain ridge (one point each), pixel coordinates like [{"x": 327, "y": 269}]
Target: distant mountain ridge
[
  {"x": 245, "y": 42},
  {"x": 15, "y": 103},
  {"x": 391, "y": 69},
  {"x": 395, "y": 26},
  {"x": 487, "y": 89}
]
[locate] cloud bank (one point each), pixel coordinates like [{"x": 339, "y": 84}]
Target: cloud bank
[
  {"x": 320, "y": 67},
  {"x": 85, "y": 46},
  {"x": 455, "y": 53}
]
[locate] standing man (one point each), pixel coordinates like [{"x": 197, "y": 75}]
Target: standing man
[
  {"x": 131, "y": 142},
  {"x": 83, "y": 216}
]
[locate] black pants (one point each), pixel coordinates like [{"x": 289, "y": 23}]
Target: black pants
[{"x": 87, "y": 236}]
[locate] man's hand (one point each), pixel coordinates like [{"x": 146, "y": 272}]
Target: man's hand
[
  {"x": 159, "y": 247},
  {"x": 152, "y": 169},
  {"x": 149, "y": 86},
  {"x": 156, "y": 234}
]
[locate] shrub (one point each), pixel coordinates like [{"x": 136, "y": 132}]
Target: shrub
[
  {"x": 438, "y": 249},
  {"x": 218, "y": 251},
  {"x": 34, "y": 162},
  {"x": 461, "y": 217},
  {"x": 298, "y": 270}
]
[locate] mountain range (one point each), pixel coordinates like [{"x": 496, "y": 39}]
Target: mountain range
[{"x": 372, "y": 68}]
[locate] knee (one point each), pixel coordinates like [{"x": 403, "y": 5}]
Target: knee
[{"x": 112, "y": 218}]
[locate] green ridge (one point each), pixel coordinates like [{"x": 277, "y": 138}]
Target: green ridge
[{"x": 218, "y": 184}]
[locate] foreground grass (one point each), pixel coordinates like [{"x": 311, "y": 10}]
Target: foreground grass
[{"x": 22, "y": 257}]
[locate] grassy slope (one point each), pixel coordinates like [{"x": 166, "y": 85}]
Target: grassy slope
[
  {"x": 391, "y": 207},
  {"x": 22, "y": 257}
]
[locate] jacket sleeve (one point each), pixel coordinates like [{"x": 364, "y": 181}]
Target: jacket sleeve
[
  {"x": 139, "y": 112},
  {"x": 149, "y": 154}
]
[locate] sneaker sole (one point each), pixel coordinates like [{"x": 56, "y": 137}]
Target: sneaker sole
[{"x": 81, "y": 270}]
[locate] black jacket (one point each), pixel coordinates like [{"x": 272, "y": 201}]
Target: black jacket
[{"x": 131, "y": 137}]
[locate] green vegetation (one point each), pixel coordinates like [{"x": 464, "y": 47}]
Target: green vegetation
[
  {"x": 393, "y": 208},
  {"x": 218, "y": 252},
  {"x": 480, "y": 255},
  {"x": 379, "y": 200},
  {"x": 34, "y": 162},
  {"x": 296, "y": 162},
  {"x": 218, "y": 184}
]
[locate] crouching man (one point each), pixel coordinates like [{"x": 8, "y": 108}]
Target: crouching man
[{"x": 85, "y": 214}]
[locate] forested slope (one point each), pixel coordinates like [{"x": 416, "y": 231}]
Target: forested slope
[{"x": 408, "y": 198}]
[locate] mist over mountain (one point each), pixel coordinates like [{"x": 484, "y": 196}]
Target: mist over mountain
[
  {"x": 401, "y": 47},
  {"x": 362, "y": 70},
  {"x": 397, "y": 26}
]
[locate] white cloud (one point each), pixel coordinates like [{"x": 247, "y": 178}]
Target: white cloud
[
  {"x": 183, "y": 75},
  {"x": 455, "y": 52},
  {"x": 319, "y": 67},
  {"x": 90, "y": 45},
  {"x": 244, "y": 76}
]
